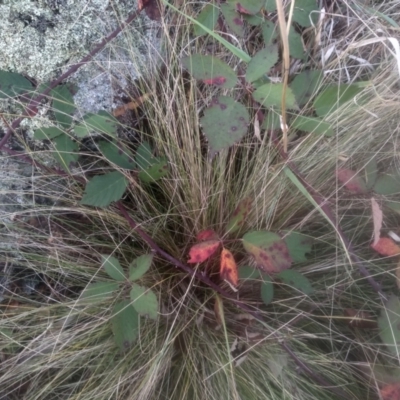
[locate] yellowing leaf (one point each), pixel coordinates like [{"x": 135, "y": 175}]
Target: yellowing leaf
[
  {"x": 269, "y": 251},
  {"x": 228, "y": 269},
  {"x": 202, "y": 251},
  {"x": 386, "y": 247}
]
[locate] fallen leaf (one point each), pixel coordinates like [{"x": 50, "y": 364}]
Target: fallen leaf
[
  {"x": 386, "y": 247},
  {"x": 132, "y": 105},
  {"x": 228, "y": 269},
  {"x": 207, "y": 234},
  {"x": 351, "y": 180},
  {"x": 391, "y": 392},
  {"x": 377, "y": 217},
  {"x": 202, "y": 251}
]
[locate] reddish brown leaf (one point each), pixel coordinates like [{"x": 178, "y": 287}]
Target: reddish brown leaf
[
  {"x": 351, "y": 181},
  {"x": 386, "y": 247},
  {"x": 218, "y": 81},
  {"x": 360, "y": 319},
  {"x": 242, "y": 10},
  {"x": 391, "y": 391},
  {"x": 228, "y": 269},
  {"x": 202, "y": 251},
  {"x": 208, "y": 234}
]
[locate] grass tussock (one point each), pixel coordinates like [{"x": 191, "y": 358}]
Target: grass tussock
[{"x": 53, "y": 346}]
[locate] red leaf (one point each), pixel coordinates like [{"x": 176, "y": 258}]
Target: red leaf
[
  {"x": 218, "y": 81},
  {"x": 391, "y": 392},
  {"x": 351, "y": 181},
  {"x": 228, "y": 268},
  {"x": 242, "y": 10},
  {"x": 386, "y": 247},
  {"x": 208, "y": 234},
  {"x": 202, "y": 251}
]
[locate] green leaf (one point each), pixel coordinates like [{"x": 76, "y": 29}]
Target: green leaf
[
  {"x": 113, "y": 268},
  {"x": 271, "y": 121},
  {"x": 117, "y": 154},
  {"x": 267, "y": 290},
  {"x": 270, "y": 95},
  {"x": 299, "y": 245},
  {"x": 154, "y": 172},
  {"x": 63, "y": 105},
  {"x": 387, "y": 184},
  {"x": 305, "y": 85},
  {"x": 296, "y": 280},
  {"x": 296, "y": 45},
  {"x": 239, "y": 216},
  {"x": 139, "y": 266},
  {"x": 393, "y": 205},
  {"x": 211, "y": 70},
  {"x": 247, "y": 6},
  {"x": 371, "y": 173},
  {"x": 248, "y": 272},
  {"x": 270, "y": 5},
  {"x": 102, "y": 190},
  {"x": 261, "y": 63},
  {"x": 144, "y": 300},
  {"x": 13, "y": 84},
  {"x": 333, "y": 97},
  {"x": 99, "y": 291},
  {"x": 312, "y": 125},
  {"x": 303, "y": 13},
  {"x": 144, "y": 156},
  {"x": 103, "y": 123},
  {"x": 253, "y": 20},
  {"x": 224, "y": 123},
  {"x": 47, "y": 133},
  {"x": 389, "y": 325},
  {"x": 207, "y": 17},
  {"x": 125, "y": 325},
  {"x": 269, "y": 250},
  {"x": 233, "y": 19},
  {"x": 66, "y": 151},
  {"x": 269, "y": 32}
]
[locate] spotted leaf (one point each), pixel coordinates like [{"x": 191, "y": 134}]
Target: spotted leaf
[
  {"x": 228, "y": 268},
  {"x": 202, "y": 251}
]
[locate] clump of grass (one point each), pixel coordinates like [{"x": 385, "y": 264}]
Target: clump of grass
[{"x": 53, "y": 345}]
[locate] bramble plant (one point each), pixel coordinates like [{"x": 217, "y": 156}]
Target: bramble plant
[{"x": 227, "y": 254}]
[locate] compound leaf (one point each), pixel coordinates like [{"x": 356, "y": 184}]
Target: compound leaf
[
  {"x": 233, "y": 19},
  {"x": 387, "y": 184},
  {"x": 248, "y": 272},
  {"x": 96, "y": 292},
  {"x": 145, "y": 301},
  {"x": 154, "y": 172},
  {"x": 113, "y": 268},
  {"x": 239, "y": 216},
  {"x": 139, "y": 266},
  {"x": 125, "y": 325},
  {"x": 47, "y": 133},
  {"x": 312, "y": 125},
  {"x": 102, "y": 190},
  {"x": 249, "y": 7},
  {"x": 269, "y": 32},
  {"x": 305, "y": 13},
  {"x": 305, "y": 85}
]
